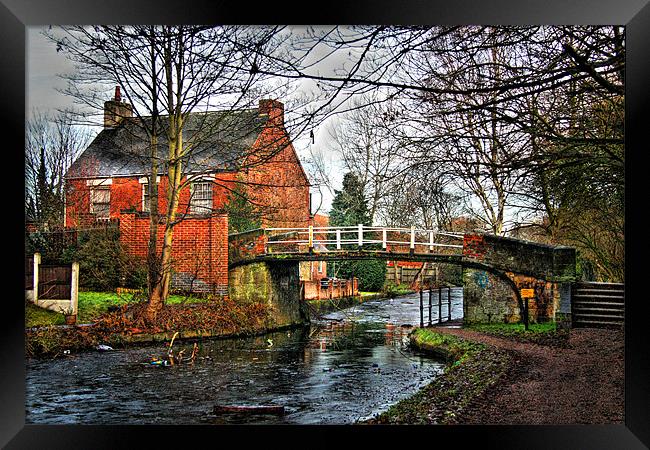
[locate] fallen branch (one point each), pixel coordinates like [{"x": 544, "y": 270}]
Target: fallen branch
[{"x": 260, "y": 409}]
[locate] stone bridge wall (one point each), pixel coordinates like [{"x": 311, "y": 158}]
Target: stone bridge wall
[
  {"x": 545, "y": 269},
  {"x": 276, "y": 285}
]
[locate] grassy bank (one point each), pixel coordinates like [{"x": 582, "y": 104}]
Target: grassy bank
[
  {"x": 471, "y": 368},
  {"x": 92, "y": 305},
  {"x": 128, "y": 324}
]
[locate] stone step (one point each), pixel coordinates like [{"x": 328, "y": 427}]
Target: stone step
[
  {"x": 596, "y": 324},
  {"x": 583, "y": 308},
  {"x": 608, "y": 294},
  {"x": 600, "y": 314},
  {"x": 612, "y": 298},
  {"x": 594, "y": 291},
  {"x": 596, "y": 285},
  {"x": 587, "y": 303},
  {"x": 598, "y": 317}
]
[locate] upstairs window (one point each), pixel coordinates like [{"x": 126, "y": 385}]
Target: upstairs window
[
  {"x": 100, "y": 201},
  {"x": 144, "y": 182},
  {"x": 201, "y": 198},
  {"x": 145, "y": 197}
]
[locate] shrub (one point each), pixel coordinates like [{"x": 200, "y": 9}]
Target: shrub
[
  {"x": 393, "y": 290},
  {"x": 371, "y": 273},
  {"x": 103, "y": 263}
]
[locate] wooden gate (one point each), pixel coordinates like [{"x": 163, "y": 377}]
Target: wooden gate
[{"x": 54, "y": 282}]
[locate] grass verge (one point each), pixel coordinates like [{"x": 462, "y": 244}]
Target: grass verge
[
  {"x": 92, "y": 305},
  {"x": 471, "y": 369}
]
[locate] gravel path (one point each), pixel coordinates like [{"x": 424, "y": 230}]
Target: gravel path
[{"x": 580, "y": 384}]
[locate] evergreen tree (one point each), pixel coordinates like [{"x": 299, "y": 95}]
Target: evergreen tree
[
  {"x": 243, "y": 215},
  {"x": 350, "y": 207}
]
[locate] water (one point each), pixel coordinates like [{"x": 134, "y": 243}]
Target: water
[{"x": 349, "y": 366}]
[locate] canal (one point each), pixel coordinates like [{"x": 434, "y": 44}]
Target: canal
[{"x": 348, "y": 365}]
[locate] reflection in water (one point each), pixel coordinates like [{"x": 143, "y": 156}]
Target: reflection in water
[{"x": 349, "y": 366}]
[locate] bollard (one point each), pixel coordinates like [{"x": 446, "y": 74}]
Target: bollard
[{"x": 421, "y": 310}]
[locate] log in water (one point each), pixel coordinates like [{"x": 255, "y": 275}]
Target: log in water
[{"x": 245, "y": 409}]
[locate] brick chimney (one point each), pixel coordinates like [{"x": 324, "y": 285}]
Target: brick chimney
[
  {"x": 115, "y": 110},
  {"x": 274, "y": 110}
]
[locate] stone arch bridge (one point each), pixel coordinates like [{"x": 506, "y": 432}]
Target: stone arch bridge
[{"x": 505, "y": 279}]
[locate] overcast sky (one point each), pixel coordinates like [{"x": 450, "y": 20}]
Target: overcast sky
[{"x": 44, "y": 65}]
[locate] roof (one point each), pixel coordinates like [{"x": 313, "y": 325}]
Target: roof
[{"x": 220, "y": 140}]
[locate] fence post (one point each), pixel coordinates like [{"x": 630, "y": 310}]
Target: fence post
[
  {"x": 439, "y": 304},
  {"x": 37, "y": 262},
  {"x": 449, "y": 304},
  {"x": 360, "y": 236},
  {"x": 74, "y": 288},
  {"x": 338, "y": 239}
]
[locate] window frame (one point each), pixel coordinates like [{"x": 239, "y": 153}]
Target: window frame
[
  {"x": 105, "y": 211},
  {"x": 197, "y": 206}
]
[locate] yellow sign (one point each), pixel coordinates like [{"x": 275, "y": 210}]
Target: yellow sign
[{"x": 527, "y": 293}]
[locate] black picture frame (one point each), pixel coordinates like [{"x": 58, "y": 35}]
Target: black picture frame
[{"x": 16, "y": 15}]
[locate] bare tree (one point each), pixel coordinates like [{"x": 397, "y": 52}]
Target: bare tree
[
  {"x": 172, "y": 76},
  {"x": 52, "y": 143}
]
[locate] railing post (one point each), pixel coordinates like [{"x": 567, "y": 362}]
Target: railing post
[
  {"x": 311, "y": 238},
  {"x": 338, "y": 239},
  {"x": 360, "y": 235},
  {"x": 439, "y": 304},
  {"x": 421, "y": 310},
  {"x": 431, "y": 241},
  {"x": 383, "y": 238},
  {"x": 449, "y": 304},
  {"x": 430, "y": 292},
  {"x": 412, "y": 239}
]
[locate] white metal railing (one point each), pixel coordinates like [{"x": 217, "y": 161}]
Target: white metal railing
[{"x": 313, "y": 236}]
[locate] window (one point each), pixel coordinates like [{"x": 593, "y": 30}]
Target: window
[
  {"x": 100, "y": 201},
  {"x": 145, "y": 197},
  {"x": 201, "y": 198},
  {"x": 144, "y": 181}
]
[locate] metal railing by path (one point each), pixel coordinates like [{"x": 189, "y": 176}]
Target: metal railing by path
[
  {"x": 358, "y": 236},
  {"x": 432, "y": 295}
]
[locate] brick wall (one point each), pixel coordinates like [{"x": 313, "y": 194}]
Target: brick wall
[
  {"x": 279, "y": 184},
  {"x": 126, "y": 194},
  {"x": 200, "y": 250}
]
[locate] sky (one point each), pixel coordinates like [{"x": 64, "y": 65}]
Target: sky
[{"x": 43, "y": 85}]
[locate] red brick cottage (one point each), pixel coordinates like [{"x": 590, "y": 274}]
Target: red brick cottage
[{"x": 231, "y": 150}]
